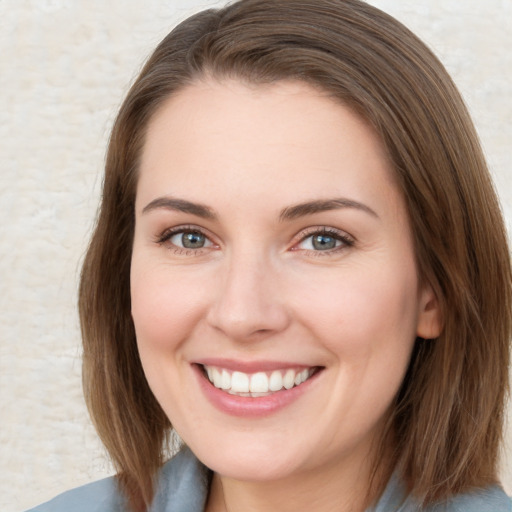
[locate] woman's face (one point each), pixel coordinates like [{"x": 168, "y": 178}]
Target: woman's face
[{"x": 272, "y": 256}]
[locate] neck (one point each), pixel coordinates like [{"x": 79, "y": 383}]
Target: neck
[{"x": 339, "y": 487}]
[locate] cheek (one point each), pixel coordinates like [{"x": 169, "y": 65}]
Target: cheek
[
  {"x": 165, "y": 311},
  {"x": 365, "y": 309},
  {"x": 165, "y": 307}
]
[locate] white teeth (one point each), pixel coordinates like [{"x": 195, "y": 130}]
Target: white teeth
[
  {"x": 217, "y": 378},
  {"x": 301, "y": 377},
  {"x": 276, "y": 381},
  {"x": 258, "y": 384},
  {"x": 239, "y": 382},
  {"x": 226, "y": 380},
  {"x": 289, "y": 379}
]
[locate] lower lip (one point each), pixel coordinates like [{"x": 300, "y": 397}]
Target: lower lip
[{"x": 251, "y": 407}]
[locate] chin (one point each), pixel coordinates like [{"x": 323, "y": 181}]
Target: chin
[{"x": 255, "y": 462}]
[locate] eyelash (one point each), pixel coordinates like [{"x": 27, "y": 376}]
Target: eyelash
[
  {"x": 339, "y": 236},
  {"x": 165, "y": 237}
]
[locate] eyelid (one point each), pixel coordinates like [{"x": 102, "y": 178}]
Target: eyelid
[
  {"x": 168, "y": 233},
  {"x": 346, "y": 239}
]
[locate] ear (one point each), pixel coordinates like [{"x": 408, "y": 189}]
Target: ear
[{"x": 430, "y": 321}]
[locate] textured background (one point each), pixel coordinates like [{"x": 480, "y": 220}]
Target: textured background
[{"x": 64, "y": 67}]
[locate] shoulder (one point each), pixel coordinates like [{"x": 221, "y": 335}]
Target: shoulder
[
  {"x": 490, "y": 499},
  {"x": 100, "y": 496},
  {"x": 182, "y": 487}
]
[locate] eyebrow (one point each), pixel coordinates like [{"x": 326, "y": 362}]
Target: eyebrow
[
  {"x": 323, "y": 205},
  {"x": 288, "y": 213},
  {"x": 180, "y": 205}
]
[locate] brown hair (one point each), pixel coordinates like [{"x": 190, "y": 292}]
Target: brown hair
[{"x": 448, "y": 417}]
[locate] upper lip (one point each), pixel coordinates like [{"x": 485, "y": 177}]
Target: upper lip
[{"x": 251, "y": 366}]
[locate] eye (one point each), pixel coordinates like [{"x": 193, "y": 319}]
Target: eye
[
  {"x": 190, "y": 240},
  {"x": 185, "y": 238},
  {"x": 324, "y": 240},
  {"x": 320, "y": 242}
]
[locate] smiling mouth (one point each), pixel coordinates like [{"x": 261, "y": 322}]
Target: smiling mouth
[{"x": 257, "y": 384}]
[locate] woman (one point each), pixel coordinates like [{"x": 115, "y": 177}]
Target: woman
[{"x": 300, "y": 266}]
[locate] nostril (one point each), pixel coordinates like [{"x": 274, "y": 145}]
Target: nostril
[{"x": 251, "y": 324}]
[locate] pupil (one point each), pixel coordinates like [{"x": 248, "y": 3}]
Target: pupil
[
  {"x": 324, "y": 242},
  {"x": 192, "y": 240}
]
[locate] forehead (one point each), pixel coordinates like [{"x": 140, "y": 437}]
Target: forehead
[
  {"x": 285, "y": 108},
  {"x": 287, "y": 137}
]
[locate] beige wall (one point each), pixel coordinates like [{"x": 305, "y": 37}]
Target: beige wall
[{"x": 64, "y": 68}]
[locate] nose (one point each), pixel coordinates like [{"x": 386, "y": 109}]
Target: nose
[{"x": 249, "y": 304}]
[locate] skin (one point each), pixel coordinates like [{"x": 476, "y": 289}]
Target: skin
[{"x": 259, "y": 290}]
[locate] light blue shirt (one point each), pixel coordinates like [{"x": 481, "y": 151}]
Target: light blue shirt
[{"x": 184, "y": 482}]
